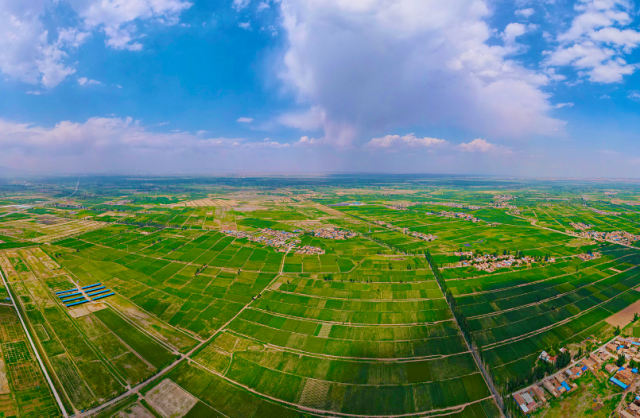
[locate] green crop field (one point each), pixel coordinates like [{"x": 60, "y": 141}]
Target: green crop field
[{"x": 233, "y": 300}]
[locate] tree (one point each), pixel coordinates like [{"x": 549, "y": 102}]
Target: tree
[
  {"x": 617, "y": 331},
  {"x": 621, "y": 360},
  {"x": 635, "y": 317}
]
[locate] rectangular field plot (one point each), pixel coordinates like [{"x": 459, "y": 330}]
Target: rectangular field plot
[
  {"x": 514, "y": 316},
  {"x": 144, "y": 345},
  {"x": 325, "y": 343}
]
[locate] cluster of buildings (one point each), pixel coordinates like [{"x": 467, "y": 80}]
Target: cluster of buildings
[
  {"x": 587, "y": 257},
  {"x": 68, "y": 204},
  {"x": 615, "y": 236},
  {"x": 627, "y": 346},
  {"x": 118, "y": 202},
  {"x": 490, "y": 263},
  {"x": 602, "y": 212},
  {"x": 503, "y": 197},
  {"x": 581, "y": 226},
  {"x": 333, "y": 233},
  {"x": 562, "y": 382},
  {"x": 557, "y": 385},
  {"x": 529, "y": 400},
  {"x": 398, "y": 206},
  {"x": 309, "y": 250},
  {"x": 459, "y": 215},
  {"x": 383, "y": 223},
  {"x": 270, "y": 237},
  {"x": 453, "y": 205},
  {"x": 282, "y": 240},
  {"x": 632, "y": 410},
  {"x": 420, "y": 235}
]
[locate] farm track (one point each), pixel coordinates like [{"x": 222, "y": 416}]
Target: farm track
[
  {"x": 543, "y": 300},
  {"x": 35, "y": 350},
  {"x": 540, "y": 330},
  {"x": 476, "y": 357},
  {"x": 519, "y": 285},
  {"x": 136, "y": 389},
  {"x": 427, "y": 414},
  {"x": 362, "y": 359}
]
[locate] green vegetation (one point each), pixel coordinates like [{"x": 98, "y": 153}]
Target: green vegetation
[{"x": 379, "y": 323}]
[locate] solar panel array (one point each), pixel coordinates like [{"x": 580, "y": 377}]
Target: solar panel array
[{"x": 73, "y": 297}]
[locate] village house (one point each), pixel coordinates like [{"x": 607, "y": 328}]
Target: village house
[{"x": 333, "y": 233}]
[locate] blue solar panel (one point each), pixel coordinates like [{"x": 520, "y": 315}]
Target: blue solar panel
[
  {"x": 66, "y": 291},
  {"x": 77, "y": 303},
  {"x": 69, "y": 295},
  {"x": 104, "y": 296},
  {"x": 92, "y": 285},
  {"x": 95, "y": 290},
  {"x": 98, "y": 292},
  {"x": 76, "y": 298}
]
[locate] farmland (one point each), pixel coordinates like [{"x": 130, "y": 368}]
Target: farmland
[{"x": 395, "y": 317}]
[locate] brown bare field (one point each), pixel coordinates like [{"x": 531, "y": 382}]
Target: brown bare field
[
  {"x": 171, "y": 400},
  {"x": 625, "y": 316},
  {"x": 134, "y": 411}
]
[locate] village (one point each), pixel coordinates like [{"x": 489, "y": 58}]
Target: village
[
  {"x": 581, "y": 226},
  {"x": 615, "y": 236},
  {"x": 602, "y": 212},
  {"x": 459, "y": 215},
  {"x": 333, "y": 233},
  {"x": 492, "y": 262},
  {"x": 420, "y": 235},
  {"x": 617, "y": 362},
  {"x": 282, "y": 240},
  {"x": 453, "y": 205}
]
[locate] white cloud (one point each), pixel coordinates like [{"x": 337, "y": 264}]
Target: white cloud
[
  {"x": 244, "y": 25},
  {"x": 118, "y": 18},
  {"x": 409, "y": 140},
  {"x": 374, "y": 65},
  {"x": 244, "y": 120},
  {"x": 35, "y": 55},
  {"x": 262, "y": 6},
  {"x": 525, "y": 13},
  {"x": 561, "y": 105},
  {"x": 512, "y": 31},
  {"x": 125, "y": 144},
  {"x": 34, "y": 92},
  {"x": 481, "y": 146},
  {"x": 597, "y": 42},
  {"x": 105, "y": 134},
  {"x": 634, "y": 95},
  {"x": 240, "y": 4},
  {"x": 84, "y": 81}
]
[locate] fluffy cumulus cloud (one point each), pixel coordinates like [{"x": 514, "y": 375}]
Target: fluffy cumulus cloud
[
  {"x": 525, "y": 13},
  {"x": 480, "y": 145},
  {"x": 598, "y": 41},
  {"x": 38, "y": 53},
  {"x": 112, "y": 139},
  {"x": 84, "y": 81},
  {"x": 410, "y": 140},
  {"x": 371, "y": 65}
]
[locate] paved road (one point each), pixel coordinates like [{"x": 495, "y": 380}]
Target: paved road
[
  {"x": 136, "y": 389},
  {"x": 48, "y": 202}
]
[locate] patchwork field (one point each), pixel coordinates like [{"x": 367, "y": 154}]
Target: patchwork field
[{"x": 415, "y": 298}]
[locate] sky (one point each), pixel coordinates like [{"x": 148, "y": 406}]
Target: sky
[{"x": 534, "y": 88}]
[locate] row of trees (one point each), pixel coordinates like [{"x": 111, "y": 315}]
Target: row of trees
[{"x": 541, "y": 369}]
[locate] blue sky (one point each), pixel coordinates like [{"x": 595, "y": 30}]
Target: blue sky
[{"x": 528, "y": 87}]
